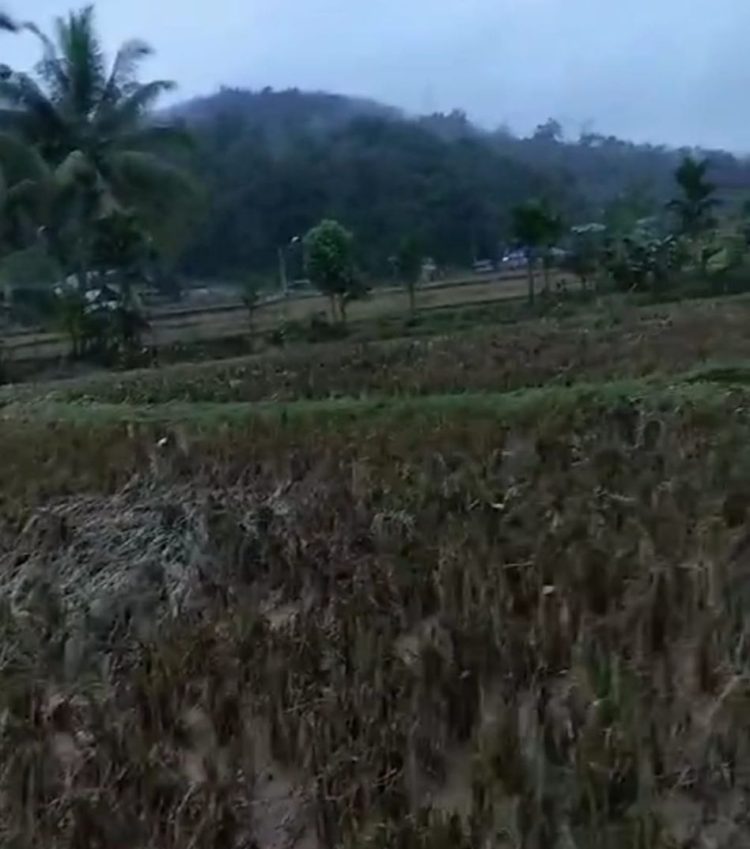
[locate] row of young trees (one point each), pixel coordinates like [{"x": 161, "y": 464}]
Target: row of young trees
[
  {"x": 687, "y": 238},
  {"x": 330, "y": 264},
  {"x": 688, "y": 241},
  {"x": 648, "y": 254},
  {"x": 87, "y": 176}
]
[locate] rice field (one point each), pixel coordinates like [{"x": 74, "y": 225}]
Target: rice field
[{"x": 478, "y": 590}]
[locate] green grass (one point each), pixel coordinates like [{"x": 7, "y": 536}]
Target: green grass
[{"x": 697, "y": 389}]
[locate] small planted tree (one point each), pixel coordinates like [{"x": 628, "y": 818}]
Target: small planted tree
[
  {"x": 531, "y": 228},
  {"x": 409, "y": 264},
  {"x": 329, "y": 260},
  {"x": 251, "y": 299}
]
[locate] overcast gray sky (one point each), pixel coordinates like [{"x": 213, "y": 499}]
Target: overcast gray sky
[{"x": 675, "y": 71}]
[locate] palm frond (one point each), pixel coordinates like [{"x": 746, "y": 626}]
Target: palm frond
[
  {"x": 50, "y": 69},
  {"x": 7, "y": 23},
  {"x": 82, "y": 57},
  {"x": 124, "y": 67},
  {"x": 31, "y": 196},
  {"x": 75, "y": 169},
  {"x": 144, "y": 178},
  {"x": 127, "y": 114},
  {"x": 35, "y": 113},
  {"x": 19, "y": 160}
]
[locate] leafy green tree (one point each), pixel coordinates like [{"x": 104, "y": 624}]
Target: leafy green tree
[
  {"x": 409, "y": 262},
  {"x": 329, "y": 259},
  {"x": 91, "y": 126}
]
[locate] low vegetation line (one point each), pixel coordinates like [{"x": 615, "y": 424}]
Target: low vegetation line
[{"x": 516, "y": 406}]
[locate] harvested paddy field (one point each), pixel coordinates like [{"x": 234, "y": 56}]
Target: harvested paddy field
[{"x": 498, "y": 621}]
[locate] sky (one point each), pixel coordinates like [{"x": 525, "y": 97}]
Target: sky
[{"x": 664, "y": 71}]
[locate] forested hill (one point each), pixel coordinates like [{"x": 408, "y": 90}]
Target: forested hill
[
  {"x": 281, "y": 114},
  {"x": 277, "y": 162}
]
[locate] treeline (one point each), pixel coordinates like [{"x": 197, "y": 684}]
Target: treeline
[
  {"x": 275, "y": 163},
  {"x": 383, "y": 178}
]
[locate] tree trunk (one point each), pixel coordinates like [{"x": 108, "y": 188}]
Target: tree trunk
[
  {"x": 412, "y": 299},
  {"x": 532, "y": 281},
  {"x": 251, "y": 330},
  {"x": 342, "y": 309},
  {"x": 334, "y": 318},
  {"x": 545, "y": 270}
]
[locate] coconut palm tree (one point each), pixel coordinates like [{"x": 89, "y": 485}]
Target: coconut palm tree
[
  {"x": 695, "y": 208},
  {"x": 18, "y": 163},
  {"x": 92, "y": 126}
]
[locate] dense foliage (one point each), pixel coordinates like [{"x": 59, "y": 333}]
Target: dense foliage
[
  {"x": 278, "y": 162},
  {"x": 381, "y": 178}
]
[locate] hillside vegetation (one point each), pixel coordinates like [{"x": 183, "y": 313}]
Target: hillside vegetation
[{"x": 277, "y": 162}]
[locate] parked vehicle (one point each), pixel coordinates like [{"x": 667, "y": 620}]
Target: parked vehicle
[
  {"x": 484, "y": 266},
  {"x": 513, "y": 261}
]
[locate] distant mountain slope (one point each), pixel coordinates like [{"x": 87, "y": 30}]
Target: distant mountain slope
[
  {"x": 278, "y": 161},
  {"x": 279, "y": 113}
]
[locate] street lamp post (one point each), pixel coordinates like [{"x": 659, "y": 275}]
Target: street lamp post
[{"x": 283, "y": 273}]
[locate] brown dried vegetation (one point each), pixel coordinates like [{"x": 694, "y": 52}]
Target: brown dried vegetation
[
  {"x": 465, "y": 630},
  {"x": 630, "y": 343}
]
